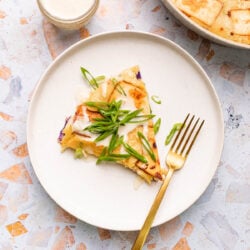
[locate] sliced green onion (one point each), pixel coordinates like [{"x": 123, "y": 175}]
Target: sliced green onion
[
  {"x": 104, "y": 135},
  {"x": 113, "y": 158},
  {"x": 119, "y": 141},
  {"x": 115, "y": 142},
  {"x": 78, "y": 153},
  {"x": 120, "y": 89},
  {"x": 175, "y": 128},
  {"x": 145, "y": 118},
  {"x": 98, "y": 79},
  {"x": 156, "y": 99},
  {"x": 112, "y": 118},
  {"x": 157, "y": 126},
  {"x": 130, "y": 116},
  {"x": 89, "y": 78},
  {"x": 98, "y": 105},
  {"x": 134, "y": 153},
  {"x": 103, "y": 153},
  {"x": 112, "y": 142},
  {"x": 114, "y": 80},
  {"x": 146, "y": 145}
]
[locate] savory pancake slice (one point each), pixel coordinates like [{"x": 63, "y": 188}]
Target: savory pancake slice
[
  {"x": 115, "y": 124},
  {"x": 205, "y": 11},
  {"x": 241, "y": 21}
]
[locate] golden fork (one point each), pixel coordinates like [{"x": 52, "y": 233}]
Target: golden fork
[{"x": 175, "y": 160}]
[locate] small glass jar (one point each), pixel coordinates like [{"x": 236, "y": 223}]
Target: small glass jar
[{"x": 68, "y": 14}]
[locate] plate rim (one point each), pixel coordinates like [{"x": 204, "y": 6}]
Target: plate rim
[
  {"x": 145, "y": 34},
  {"x": 200, "y": 30}
]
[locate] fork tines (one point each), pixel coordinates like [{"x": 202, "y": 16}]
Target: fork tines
[{"x": 187, "y": 135}]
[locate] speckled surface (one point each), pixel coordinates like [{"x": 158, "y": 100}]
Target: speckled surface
[{"x": 29, "y": 219}]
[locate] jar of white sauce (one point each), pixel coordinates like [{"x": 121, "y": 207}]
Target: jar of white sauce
[{"x": 68, "y": 14}]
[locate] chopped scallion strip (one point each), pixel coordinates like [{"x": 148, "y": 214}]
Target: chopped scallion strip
[
  {"x": 113, "y": 158},
  {"x": 119, "y": 142},
  {"x": 156, "y": 99},
  {"x": 78, "y": 153},
  {"x": 134, "y": 153},
  {"x": 112, "y": 142},
  {"x": 144, "y": 118},
  {"x": 103, "y": 153},
  {"x": 99, "y": 79},
  {"x": 89, "y": 78},
  {"x": 112, "y": 118},
  {"x": 146, "y": 145},
  {"x": 157, "y": 126},
  {"x": 176, "y": 127},
  {"x": 104, "y": 135},
  {"x": 120, "y": 89},
  {"x": 130, "y": 116}
]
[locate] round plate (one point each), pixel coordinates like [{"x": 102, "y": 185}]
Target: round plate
[
  {"x": 200, "y": 30},
  {"x": 108, "y": 195}
]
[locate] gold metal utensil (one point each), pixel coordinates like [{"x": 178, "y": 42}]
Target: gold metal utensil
[{"x": 175, "y": 160}]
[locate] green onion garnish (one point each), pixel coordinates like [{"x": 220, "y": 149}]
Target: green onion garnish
[
  {"x": 97, "y": 105},
  {"x": 142, "y": 118},
  {"x": 112, "y": 118},
  {"x": 114, "y": 81},
  {"x": 112, "y": 142},
  {"x": 103, "y": 153},
  {"x": 130, "y": 116},
  {"x": 78, "y": 153},
  {"x": 120, "y": 89},
  {"x": 157, "y": 126},
  {"x": 89, "y": 78},
  {"x": 176, "y": 127},
  {"x": 113, "y": 157},
  {"x": 98, "y": 79},
  {"x": 156, "y": 99},
  {"x": 146, "y": 145},
  {"x": 115, "y": 142},
  {"x": 119, "y": 142},
  {"x": 105, "y": 156},
  {"x": 134, "y": 153},
  {"x": 104, "y": 135}
]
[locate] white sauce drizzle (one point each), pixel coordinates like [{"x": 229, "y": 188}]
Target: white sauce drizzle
[{"x": 104, "y": 86}]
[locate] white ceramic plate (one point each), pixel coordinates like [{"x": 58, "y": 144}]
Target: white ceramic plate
[
  {"x": 107, "y": 195},
  {"x": 200, "y": 30}
]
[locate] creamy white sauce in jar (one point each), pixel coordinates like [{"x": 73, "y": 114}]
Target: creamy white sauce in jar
[{"x": 67, "y": 9}]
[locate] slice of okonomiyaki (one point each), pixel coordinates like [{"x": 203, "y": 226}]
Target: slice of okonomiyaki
[{"x": 115, "y": 124}]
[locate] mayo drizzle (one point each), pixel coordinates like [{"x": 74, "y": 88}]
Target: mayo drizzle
[{"x": 104, "y": 88}]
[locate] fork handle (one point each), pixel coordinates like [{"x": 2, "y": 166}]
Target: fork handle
[{"x": 142, "y": 236}]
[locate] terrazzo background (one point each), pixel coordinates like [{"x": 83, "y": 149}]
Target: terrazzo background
[{"x": 29, "y": 219}]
